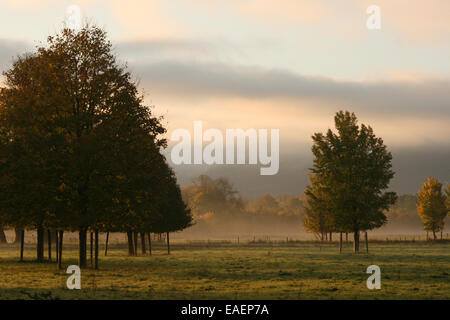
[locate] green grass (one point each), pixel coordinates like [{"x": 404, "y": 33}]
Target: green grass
[{"x": 226, "y": 271}]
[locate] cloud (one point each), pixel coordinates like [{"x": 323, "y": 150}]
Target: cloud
[
  {"x": 280, "y": 13},
  {"x": 9, "y": 50},
  {"x": 427, "y": 97},
  {"x": 409, "y": 108},
  {"x": 147, "y": 19},
  {"x": 415, "y": 22},
  {"x": 173, "y": 48},
  {"x": 27, "y": 4},
  {"x": 418, "y": 21},
  {"x": 293, "y": 11},
  {"x": 405, "y": 108}
]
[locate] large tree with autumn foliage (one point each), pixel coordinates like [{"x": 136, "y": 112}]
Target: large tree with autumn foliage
[{"x": 79, "y": 149}]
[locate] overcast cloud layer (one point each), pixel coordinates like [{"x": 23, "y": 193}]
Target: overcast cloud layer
[
  {"x": 428, "y": 97},
  {"x": 203, "y": 78}
]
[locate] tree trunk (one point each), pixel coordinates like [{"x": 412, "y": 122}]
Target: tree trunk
[
  {"x": 60, "y": 248},
  {"x": 2, "y": 236},
  {"x": 144, "y": 251},
  {"x": 168, "y": 243},
  {"x": 346, "y": 237},
  {"x": 367, "y": 242},
  {"x": 18, "y": 233},
  {"x": 434, "y": 235},
  {"x": 55, "y": 237},
  {"x": 106, "y": 243},
  {"x": 40, "y": 244},
  {"x": 130, "y": 243},
  {"x": 91, "y": 248},
  {"x": 135, "y": 242},
  {"x": 331, "y": 237},
  {"x": 82, "y": 237},
  {"x": 340, "y": 242},
  {"x": 149, "y": 243},
  {"x": 96, "y": 249},
  {"x": 45, "y": 238},
  {"x": 49, "y": 245},
  {"x": 356, "y": 242},
  {"x": 22, "y": 243},
  {"x": 57, "y": 246}
]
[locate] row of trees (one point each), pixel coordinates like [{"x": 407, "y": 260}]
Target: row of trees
[
  {"x": 79, "y": 150},
  {"x": 351, "y": 171},
  {"x": 220, "y": 210},
  {"x": 218, "y": 196}
]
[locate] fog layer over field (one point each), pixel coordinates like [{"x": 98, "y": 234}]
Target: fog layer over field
[{"x": 221, "y": 212}]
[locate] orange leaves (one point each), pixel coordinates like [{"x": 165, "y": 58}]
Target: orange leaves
[{"x": 431, "y": 205}]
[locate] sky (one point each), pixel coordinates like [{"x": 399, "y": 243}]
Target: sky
[{"x": 286, "y": 64}]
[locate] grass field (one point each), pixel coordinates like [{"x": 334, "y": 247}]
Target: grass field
[{"x": 301, "y": 270}]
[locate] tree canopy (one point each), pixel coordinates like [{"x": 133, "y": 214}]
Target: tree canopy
[
  {"x": 351, "y": 170},
  {"x": 431, "y": 206},
  {"x": 79, "y": 149}
]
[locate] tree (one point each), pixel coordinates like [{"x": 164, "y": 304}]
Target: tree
[
  {"x": 290, "y": 206},
  {"x": 318, "y": 212},
  {"x": 212, "y": 196},
  {"x": 74, "y": 138},
  {"x": 447, "y": 202},
  {"x": 134, "y": 180},
  {"x": 3, "y": 236},
  {"x": 18, "y": 234},
  {"x": 432, "y": 206},
  {"x": 403, "y": 214},
  {"x": 353, "y": 168},
  {"x": 90, "y": 83},
  {"x": 174, "y": 214},
  {"x": 28, "y": 144},
  {"x": 266, "y": 205}
]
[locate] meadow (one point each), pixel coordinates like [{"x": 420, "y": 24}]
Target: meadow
[{"x": 265, "y": 270}]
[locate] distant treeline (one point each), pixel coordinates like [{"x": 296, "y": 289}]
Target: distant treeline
[{"x": 218, "y": 207}]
